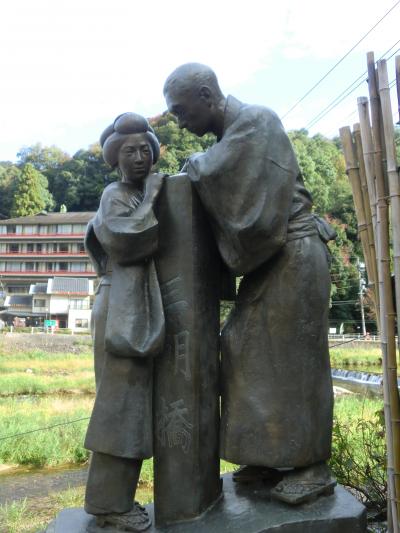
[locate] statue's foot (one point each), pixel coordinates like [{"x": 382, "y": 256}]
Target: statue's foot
[
  {"x": 304, "y": 484},
  {"x": 250, "y": 474},
  {"x": 135, "y": 521}
]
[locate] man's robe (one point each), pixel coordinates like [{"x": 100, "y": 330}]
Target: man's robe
[{"x": 276, "y": 385}]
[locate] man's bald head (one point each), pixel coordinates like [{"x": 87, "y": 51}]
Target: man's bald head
[
  {"x": 192, "y": 76},
  {"x": 194, "y": 97}
]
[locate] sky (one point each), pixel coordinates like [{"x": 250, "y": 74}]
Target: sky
[{"x": 69, "y": 67}]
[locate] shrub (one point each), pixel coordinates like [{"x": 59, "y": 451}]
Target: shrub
[{"x": 359, "y": 458}]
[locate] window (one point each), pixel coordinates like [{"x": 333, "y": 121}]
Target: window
[
  {"x": 39, "y": 247},
  {"x": 64, "y": 228},
  {"x": 29, "y": 247},
  {"x": 39, "y": 302},
  {"x": 11, "y": 228},
  {"x": 49, "y": 267},
  {"x": 78, "y": 267},
  {"x": 29, "y": 266},
  {"x": 13, "y": 248},
  {"x": 63, "y": 247},
  {"x": 17, "y": 289},
  {"x": 51, "y": 228},
  {"x": 79, "y": 228},
  {"x": 13, "y": 267},
  {"x": 79, "y": 304},
  {"x": 63, "y": 267},
  {"x": 81, "y": 247},
  {"x": 81, "y": 323},
  {"x": 3, "y": 229},
  {"x": 29, "y": 229}
]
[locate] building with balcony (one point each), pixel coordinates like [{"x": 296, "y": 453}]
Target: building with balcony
[
  {"x": 65, "y": 302},
  {"x": 38, "y": 247}
]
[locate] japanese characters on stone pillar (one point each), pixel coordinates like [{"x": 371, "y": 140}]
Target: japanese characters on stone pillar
[{"x": 186, "y": 395}]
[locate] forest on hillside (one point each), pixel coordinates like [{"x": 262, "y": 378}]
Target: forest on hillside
[{"x": 47, "y": 178}]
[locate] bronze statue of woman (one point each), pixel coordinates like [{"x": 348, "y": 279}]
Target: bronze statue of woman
[{"x": 128, "y": 324}]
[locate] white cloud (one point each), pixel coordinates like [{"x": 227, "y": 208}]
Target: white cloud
[{"x": 70, "y": 66}]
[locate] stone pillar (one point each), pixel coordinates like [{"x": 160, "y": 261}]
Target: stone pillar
[{"x": 186, "y": 386}]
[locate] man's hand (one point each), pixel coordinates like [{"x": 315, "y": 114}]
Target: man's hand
[{"x": 190, "y": 159}]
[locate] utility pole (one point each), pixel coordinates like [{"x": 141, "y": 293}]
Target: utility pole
[{"x": 362, "y": 283}]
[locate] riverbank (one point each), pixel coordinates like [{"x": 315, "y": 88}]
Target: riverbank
[{"x": 46, "y": 397}]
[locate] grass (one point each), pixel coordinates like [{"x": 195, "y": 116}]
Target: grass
[
  {"x": 15, "y": 516},
  {"x": 31, "y": 516},
  {"x": 359, "y": 451},
  {"x": 38, "y": 372},
  {"x": 43, "y": 376},
  {"x": 355, "y": 356},
  {"x": 52, "y": 447}
]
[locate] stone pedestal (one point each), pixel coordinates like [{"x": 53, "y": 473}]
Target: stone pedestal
[{"x": 248, "y": 509}]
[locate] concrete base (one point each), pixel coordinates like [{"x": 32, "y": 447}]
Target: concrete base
[{"x": 248, "y": 509}]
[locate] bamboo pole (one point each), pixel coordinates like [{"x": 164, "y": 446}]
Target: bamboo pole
[
  {"x": 373, "y": 276},
  {"x": 367, "y": 157},
  {"x": 388, "y": 311},
  {"x": 376, "y": 121},
  {"x": 385, "y": 296},
  {"x": 394, "y": 192},
  {"x": 380, "y": 159},
  {"x": 353, "y": 172},
  {"x": 397, "y": 60}
]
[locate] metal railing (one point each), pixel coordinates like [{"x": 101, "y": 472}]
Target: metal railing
[
  {"x": 41, "y": 254},
  {"x": 354, "y": 337}
]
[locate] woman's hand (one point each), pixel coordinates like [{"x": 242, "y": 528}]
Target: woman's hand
[{"x": 154, "y": 182}]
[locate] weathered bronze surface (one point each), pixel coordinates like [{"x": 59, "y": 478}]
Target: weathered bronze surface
[
  {"x": 250, "y": 510},
  {"x": 129, "y": 324},
  {"x": 276, "y": 385},
  {"x": 242, "y": 208},
  {"x": 186, "y": 387}
]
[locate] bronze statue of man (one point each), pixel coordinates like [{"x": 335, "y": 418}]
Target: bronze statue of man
[{"x": 276, "y": 385}]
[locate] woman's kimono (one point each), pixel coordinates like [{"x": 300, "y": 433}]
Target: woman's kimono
[
  {"x": 128, "y": 323},
  {"x": 276, "y": 384}
]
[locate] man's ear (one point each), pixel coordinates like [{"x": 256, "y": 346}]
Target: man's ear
[{"x": 205, "y": 94}]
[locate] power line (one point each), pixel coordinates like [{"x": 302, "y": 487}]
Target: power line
[
  {"x": 45, "y": 428},
  {"x": 340, "y": 60},
  {"x": 333, "y": 104},
  {"x": 348, "y": 91},
  {"x": 346, "y": 342}
]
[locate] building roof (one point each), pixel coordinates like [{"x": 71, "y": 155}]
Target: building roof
[
  {"x": 16, "y": 299},
  {"x": 81, "y": 217},
  {"x": 23, "y": 314},
  {"x": 61, "y": 285},
  {"x": 38, "y": 288}
]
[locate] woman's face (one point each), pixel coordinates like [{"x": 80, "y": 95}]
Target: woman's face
[{"x": 135, "y": 158}]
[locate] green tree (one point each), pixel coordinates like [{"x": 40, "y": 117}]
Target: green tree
[
  {"x": 31, "y": 193},
  {"x": 176, "y": 144},
  {"x": 9, "y": 174},
  {"x": 92, "y": 175},
  {"x": 42, "y": 158},
  {"x": 48, "y": 160},
  {"x": 322, "y": 166}
]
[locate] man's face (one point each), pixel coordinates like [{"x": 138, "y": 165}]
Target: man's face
[
  {"x": 191, "y": 110},
  {"x": 135, "y": 158}
]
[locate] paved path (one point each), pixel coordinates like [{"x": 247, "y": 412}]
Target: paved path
[{"x": 20, "y": 485}]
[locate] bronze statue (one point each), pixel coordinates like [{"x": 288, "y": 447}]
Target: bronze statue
[
  {"x": 128, "y": 324},
  {"x": 277, "y": 396}
]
